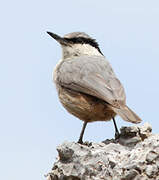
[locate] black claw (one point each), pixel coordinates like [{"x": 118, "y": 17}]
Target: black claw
[
  {"x": 80, "y": 141},
  {"x": 117, "y": 135}
]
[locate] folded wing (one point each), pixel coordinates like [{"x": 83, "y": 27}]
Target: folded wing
[{"x": 94, "y": 76}]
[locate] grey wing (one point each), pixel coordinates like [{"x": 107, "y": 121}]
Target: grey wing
[{"x": 94, "y": 76}]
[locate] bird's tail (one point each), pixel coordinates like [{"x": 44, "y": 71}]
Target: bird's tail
[{"x": 127, "y": 114}]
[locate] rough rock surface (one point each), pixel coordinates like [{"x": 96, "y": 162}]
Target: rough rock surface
[{"x": 134, "y": 156}]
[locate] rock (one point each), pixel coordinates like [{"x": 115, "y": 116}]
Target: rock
[
  {"x": 151, "y": 171},
  {"x": 134, "y": 156},
  {"x": 152, "y": 156}
]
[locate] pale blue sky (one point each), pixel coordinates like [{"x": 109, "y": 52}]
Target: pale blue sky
[{"x": 33, "y": 122}]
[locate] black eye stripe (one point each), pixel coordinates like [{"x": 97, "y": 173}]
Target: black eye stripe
[{"x": 81, "y": 40}]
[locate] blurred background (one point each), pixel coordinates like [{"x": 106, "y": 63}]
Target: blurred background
[{"x": 32, "y": 121}]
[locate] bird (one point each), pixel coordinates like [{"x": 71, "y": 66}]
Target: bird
[{"x": 86, "y": 84}]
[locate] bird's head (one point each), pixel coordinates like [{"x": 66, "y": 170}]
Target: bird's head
[{"x": 77, "y": 44}]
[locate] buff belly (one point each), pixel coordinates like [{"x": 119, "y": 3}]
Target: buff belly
[{"x": 85, "y": 107}]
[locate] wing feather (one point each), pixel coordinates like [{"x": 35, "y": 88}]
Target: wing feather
[{"x": 92, "y": 75}]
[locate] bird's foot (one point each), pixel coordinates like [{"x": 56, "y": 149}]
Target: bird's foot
[
  {"x": 117, "y": 135},
  {"x": 80, "y": 141}
]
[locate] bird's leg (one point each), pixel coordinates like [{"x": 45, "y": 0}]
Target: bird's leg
[
  {"x": 82, "y": 132},
  {"x": 117, "y": 134}
]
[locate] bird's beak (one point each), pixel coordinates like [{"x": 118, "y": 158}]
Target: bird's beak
[{"x": 59, "y": 39}]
